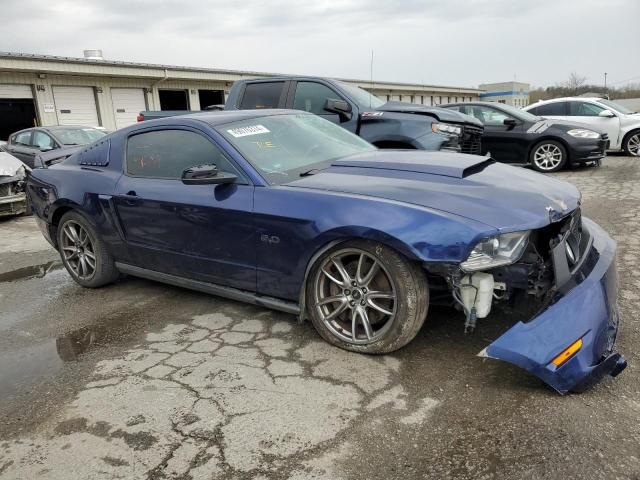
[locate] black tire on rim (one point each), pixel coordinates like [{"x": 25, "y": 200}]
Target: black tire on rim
[
  {"x": 632, "y": 144},
  {"x": 548, "y": 156},
  {"x": 83, "y": 254},
  {"x": 366, "y": 297}
]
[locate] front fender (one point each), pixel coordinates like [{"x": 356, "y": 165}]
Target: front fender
[{"x": 412, "y": 130}]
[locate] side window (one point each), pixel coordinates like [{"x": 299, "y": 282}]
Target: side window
[
  {"x": 168, "y": 153},
  {"x": 534, "y": 111},
  {"x": 487, "y": 115},
  {"x": 311, "y": 97},
  {"x": 42, "y": 140},
  {"x": 261, "y": 95},
  {"x": 584, "y": 109},
  {"x": 552, "y": 109},
  {"x": 23, "y": 138}
]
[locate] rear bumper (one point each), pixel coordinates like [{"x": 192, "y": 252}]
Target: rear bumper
[{"x": 588, "y": 311}]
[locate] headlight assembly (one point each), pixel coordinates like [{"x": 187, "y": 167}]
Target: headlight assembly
[
  {"x": 583, "y": 133},
  {"x": 496, "y": 251},
  {"x": 446, "y": 128}
]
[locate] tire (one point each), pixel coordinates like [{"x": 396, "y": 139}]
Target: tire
[
  {"x": 85, "y": 257},
  {"x": 548, "y": 156},
  {"x": 631, "y": 144},
  {"x": 396, "y": 286}
]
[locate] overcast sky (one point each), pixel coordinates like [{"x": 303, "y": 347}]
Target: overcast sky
[{"x": 448, "y": 42}]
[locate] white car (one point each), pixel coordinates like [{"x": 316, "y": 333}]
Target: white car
[{"x": 621, "y": 124}]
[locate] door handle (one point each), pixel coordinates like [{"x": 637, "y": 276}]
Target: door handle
[{"x": 131, "y": 198}]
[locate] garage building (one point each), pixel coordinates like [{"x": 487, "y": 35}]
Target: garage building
[{"x": 52, "y": 90}]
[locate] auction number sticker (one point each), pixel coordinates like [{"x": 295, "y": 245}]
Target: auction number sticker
[{"x": 249, "y": 130}]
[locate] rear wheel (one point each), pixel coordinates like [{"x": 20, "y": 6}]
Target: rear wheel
[
  {"x": 632, "y": 144},
  {"x": 366, "y": 297},
  {"x": 548, "y": 156},
  {"x": 84, "y": 255}
]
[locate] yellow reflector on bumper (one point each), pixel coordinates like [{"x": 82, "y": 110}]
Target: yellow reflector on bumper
[{"x": 570, "y": 351}]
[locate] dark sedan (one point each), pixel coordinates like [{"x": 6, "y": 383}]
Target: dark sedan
[
  {"x": 26, "y": 144},
  {"x": 287, "y": 210},
  {"x": 515, "y": 136}
]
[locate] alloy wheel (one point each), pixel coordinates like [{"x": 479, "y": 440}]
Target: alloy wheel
[
  {"x": 77, "y": 250},
  {"x": 633, "y": 145},
  {"x": 547, "y": 156},
  {"x": 355, "y": 296}
]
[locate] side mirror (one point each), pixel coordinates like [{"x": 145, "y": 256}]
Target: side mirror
[
  {"x": 510, "y": 122},
  {"x": 206, "y": 175},
  {"x": 340, "y": 107},
  {"x": 607, "y": 114},
  {"x": 46, "y": 148}
]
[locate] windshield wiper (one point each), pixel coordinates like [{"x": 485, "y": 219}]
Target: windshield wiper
[{"x": 308, "y": 173}]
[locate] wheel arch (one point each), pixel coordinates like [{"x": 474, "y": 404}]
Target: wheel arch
[
  {"x": 328, "y": 244},
  {"x": 394, "y": 144},
  {"x": 559, "y": 140},
  {"x": 56, "y": 215},
  {"x": 627, "y": 135}
]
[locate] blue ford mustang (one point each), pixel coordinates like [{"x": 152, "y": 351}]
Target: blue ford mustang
[{"x": 289, "y": 211}]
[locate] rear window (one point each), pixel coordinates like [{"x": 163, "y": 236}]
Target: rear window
[
  {"x": 262, "y": 95},
  {"x": 550, "y": 109}
]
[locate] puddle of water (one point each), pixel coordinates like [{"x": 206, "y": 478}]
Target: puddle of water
[{"x": 32, "y": 271}]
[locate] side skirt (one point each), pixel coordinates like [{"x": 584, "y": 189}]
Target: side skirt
[{"x": 211, "y": 288}]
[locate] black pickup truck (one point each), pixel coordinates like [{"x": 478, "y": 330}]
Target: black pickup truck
[{"x": 385, "y": 124}]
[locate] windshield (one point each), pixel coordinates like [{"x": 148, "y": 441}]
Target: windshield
[
  {"x": 281, "y": 147},
  {"x": 78, "y": 136},
  {"x": 615, "y": 106},
  {"x": 361, "y": 97},
  {"x": 519, "y": 114}
]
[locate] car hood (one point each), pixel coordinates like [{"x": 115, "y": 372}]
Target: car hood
[
  {"x": 500, "y": 196},
  {"x": 559, "y": 125},
  {"x": 10, "y": 166},
  {"x": 442, "y": 114}
]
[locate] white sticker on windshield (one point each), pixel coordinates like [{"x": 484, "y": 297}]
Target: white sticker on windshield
[{"x": 246, "y": 131}]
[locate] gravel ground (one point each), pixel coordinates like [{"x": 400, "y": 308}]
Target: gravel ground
[{"x": 142, "y": 380}]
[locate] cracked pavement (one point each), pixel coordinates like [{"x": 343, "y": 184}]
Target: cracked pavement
[{"x": 142, "y": 380}]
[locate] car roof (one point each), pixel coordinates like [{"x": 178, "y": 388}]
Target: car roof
[
  {"x": 457, "y": 104},
  {"x": 54, "y": 128},
  {"x": 222, "y": 117},
  {"x": 564, "y": 99}
]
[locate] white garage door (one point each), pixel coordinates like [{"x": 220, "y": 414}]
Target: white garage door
[
  {"x": 75, "y": 106},
  {"x": 15, "y": 91},
  {"x": 127, "y": 104}
]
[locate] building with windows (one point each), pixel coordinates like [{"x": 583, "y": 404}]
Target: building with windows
[
  {"x": 515, "y": 94},
  {"x": 51, "y": 90}
]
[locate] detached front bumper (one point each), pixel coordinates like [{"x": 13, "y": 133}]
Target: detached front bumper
[{"x": 586, "y": 312}]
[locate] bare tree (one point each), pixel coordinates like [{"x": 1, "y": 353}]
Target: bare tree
[{"x": 575, "y": 83}]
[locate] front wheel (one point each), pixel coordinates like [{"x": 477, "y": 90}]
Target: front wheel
[
  {"x": 83, "y": 253},
  {"x": 548, "y": 156},
  {"x": 366, "y": 297},
  {"x": 632, "y": 144}
]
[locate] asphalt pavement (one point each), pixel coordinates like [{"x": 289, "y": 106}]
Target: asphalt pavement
[{"x": 143, "y": 380}]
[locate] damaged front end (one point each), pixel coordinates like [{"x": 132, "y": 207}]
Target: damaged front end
[
  {"x": 13, "y": 178},
  {"x": 560, "y": 282}
]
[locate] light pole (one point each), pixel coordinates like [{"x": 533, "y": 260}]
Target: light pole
[{"x": 605, "y": 82}]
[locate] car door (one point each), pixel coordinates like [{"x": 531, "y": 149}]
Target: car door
[
  {"x": 20, "y": 146},
  {"x": 503, "y": 142},
  {"x": 311, "y": 97},
  {"x": 589, "y": 114},
  {"x": 202, "y": 232}
]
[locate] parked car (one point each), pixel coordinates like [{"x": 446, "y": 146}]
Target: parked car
[
  {"x": 25, "y": 144},
  {"x": 618, "y": 122},
  {"x": 386, "y": 125},
  {"x": 289, "y": 211},
  {"x": 514, "y": 136},
  {"x": 13, "y": 177}
]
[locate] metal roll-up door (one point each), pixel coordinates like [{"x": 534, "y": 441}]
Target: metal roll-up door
[
  {"x": 127, "y": 104},
  {"x": 15, "y": 91},
  {"x": 76, "y": 106}
]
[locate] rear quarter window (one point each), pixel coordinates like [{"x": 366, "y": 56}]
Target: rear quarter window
[{"x": 261, "y": 95}]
